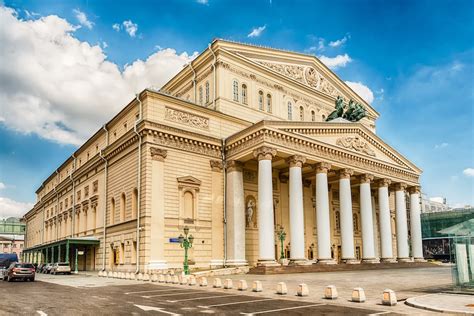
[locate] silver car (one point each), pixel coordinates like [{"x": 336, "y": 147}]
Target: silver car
[{"x": 60, "y": 267}]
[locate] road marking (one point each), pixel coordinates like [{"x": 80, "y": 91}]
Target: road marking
[
  {"x": 156, "y": 309},
  {"x": 180, "y": 293},
  {"x": 199, "y": 298},
  {"x": 139, "y": 292},
  {"x": 381, "y": 313},
  {"x": 42, "y": 313},
  {"x": 281, "y": 309},
  {"x": 241, "y": 302}
]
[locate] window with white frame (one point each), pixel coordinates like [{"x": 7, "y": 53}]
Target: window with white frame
[
  {"x": 260, "y": 100},
  {"x": 269, "y": 103},
  {"x": 235, "y": 88},
  {"x": 301, "y": 113},
  {"x": 200, "y": 95},
  {"x": 207, "y": 92},
  {"x": 244, "y": 94},
  {"x": 290, "y": 110}
]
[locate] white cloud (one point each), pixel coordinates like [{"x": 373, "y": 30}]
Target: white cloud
[
  {"x": 362, "y": 90},
  {"x": 57, "y": 96},
  {"x": 116, "y": 27},
  {"x": 335, "y": 62},
  {"x": 468, "y": 172},
  {"x": 437, "y": 199},
  {"x": 2, "y": 186},
  {"x": 82, "y": 18},
  {"x": 30, "y": 14},
  {"x": 339, "y": 42},
  {"x": 105, "y": 45},
  {"x": 440, "y": 146},
  {"x": 130, "y": 27},
  {"x": 256, "y": 32},
  {"x": 205, "y": 2},
  {"x": 11, "y": 208}
]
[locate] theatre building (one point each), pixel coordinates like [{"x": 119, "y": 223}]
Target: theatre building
[{"x": 236, "y": 147}]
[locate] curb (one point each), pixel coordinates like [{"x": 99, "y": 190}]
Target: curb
[{"x": 410, "y": 303}]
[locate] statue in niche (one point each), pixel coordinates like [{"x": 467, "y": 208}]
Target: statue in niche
[{"x": 250, "y": 212}]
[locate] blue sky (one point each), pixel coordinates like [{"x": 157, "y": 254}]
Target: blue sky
[{"x": 413, "y": 59}]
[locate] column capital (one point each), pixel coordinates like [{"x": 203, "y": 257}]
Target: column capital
[
  {"x": 234, "y": 165},
  {"x": 265, "y": 153},
  {"x": 322, "y": 167},
  {"x": 414, "y": 189},
  {"x": 400, "y": 186},
  {"x": 158, "y": 154},
  {"x": 345, "y": 173},
  {"x": 366, "y": 178},
  {"x": 384, "y": 182},
  {"x": 216, "y": 165},
  {"x": 296, "y": 161}
]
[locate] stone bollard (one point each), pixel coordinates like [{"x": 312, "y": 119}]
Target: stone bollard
[
  {"x": 183, "y": 279},
  {"x": 389, "y": 298},
  {"x": 110, "y": 274},
  {"x": 169, "y": 279},
  {"x": 99, "y": 274},
  {"x": 161, "y": 278},
  {"x": 192, "y": 280},
  {"x": 140, "y": 276},
  {"x": 302, "y": 290},
  {"x": 202, "y": 281},
  {"x": 146, "y": 277},
  {"x": 257, "y": 286},
  {"x": 154, "y": 277},
  {"x": 358, "y": 295},
  {"x": 228, "y": 284},
  {"x": 217, "y": 283},
  {"x": 175, "y": 279},
  {"x": 242, "y": 285},
  {"x": 281, "y": 288},
  {"x": 121, "y": 275},
  {"x": 330, "y": 292},
  {"x": 115, "y": 275}
]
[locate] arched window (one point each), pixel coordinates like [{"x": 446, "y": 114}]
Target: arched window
[
  {"x": 269, "y": 103},
  {"x": 207, "y": 92},
  {"x": 123, "y": 200},
  {"x": 301, "y": 113},
  {"x": 188, "y": 205},
  {"x": 244, "y": 94},
  {"x": 112, "y": 211},
  {"x": 260, "y": 100},
  {"x": 290, "y": 111},
  {"x": 200, "y": 95},
  {"x": 323, "y": 117},
  {"x": 337, "y": 221},
  {"x": 134, "y": 203},
  {"x": 355, "y": 221},
  {"x": 313, "y": 116},
  {"x": 236, "y": 90}
]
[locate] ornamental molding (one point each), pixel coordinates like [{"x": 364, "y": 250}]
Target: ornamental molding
[
  {"x": 264, "y": 153},
  {"x": 216, "y": 165},
  {"x": 186, "y": 118},
  {"x": 158, "y": 154},
  {"x": 355, "y": 143}
]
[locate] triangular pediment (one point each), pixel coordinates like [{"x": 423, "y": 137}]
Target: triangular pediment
[
  {"x": 353, "y": 137},
  {"x": 189, "y": 180}
]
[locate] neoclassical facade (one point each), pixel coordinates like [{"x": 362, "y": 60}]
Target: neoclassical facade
[{"x": 236, "y": 147}]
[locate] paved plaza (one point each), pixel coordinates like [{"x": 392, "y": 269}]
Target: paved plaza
[{"x": 64, "y": 295}]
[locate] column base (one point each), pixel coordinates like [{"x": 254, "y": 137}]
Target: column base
[
  {"x": 216, "y": 263},
  {"x": 157, "y": 265},
  {"x": 236, "y": 263},
  {"x": 420, "y": 260},
  {"x": 403, "y": 260},
  {"x": 300, "y": 262},
  {"x": 326, "y": 261},
  {"x": 351, "y": 261},
  {"x": 370, "y": 260},
  {"x": 388, "y": 260},
  {"x": 267, "y": 263}
]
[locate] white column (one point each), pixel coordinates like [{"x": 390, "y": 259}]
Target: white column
[
  {"x": 266, "y": 225},
  {"x": 367, "y": 220},
  {"x": 296, "y": 209},
  {"x": 235, "y": 214},
  {"x": 323, "y": 224},
  {"x": 347, "y": 227},
  {"x": 415, "y": 224},
  {"x": 403, "y": 253},
  {"x": 385, "y": 222}
]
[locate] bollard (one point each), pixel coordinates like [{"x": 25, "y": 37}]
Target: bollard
[
  {"x": 358, "y": 295},
  {"x": 175, "y": 279},
  {"x": 257, "y": 286},
  {"x": 202, "y": 281},
  {"x": 154, "y": 278},
  {"x": 161, "y": 278},
  {"x": 114, "y": 275},
  {"x": 228, "y": 284},
  {"x": 330, "y": 292},
  {"x": 302, "y": 290},
  {"x": 110, "y": 274},
  {"x": 217, "y": 283},
  {"x": 169, "y": 279},
  {"x": 281, "y": 288},
  {"x": 242, "y": 285},
  {"x": 192, "y": 280},
  {"x": 389, "y": 298},
  {"x": 140, "y": 277},
  {"x": 183, "y": 279},
  {"x": 99, "y": 274},
  {"x": 146, "y": 277}
]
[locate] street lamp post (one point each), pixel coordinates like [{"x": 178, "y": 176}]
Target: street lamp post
[
  {"x": 186, "y": 243},
  {"x": 75, "y": 263},
  {"x": 281, "y": 235}
]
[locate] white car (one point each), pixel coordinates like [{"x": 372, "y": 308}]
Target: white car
[{"x": 61, "y": 267}]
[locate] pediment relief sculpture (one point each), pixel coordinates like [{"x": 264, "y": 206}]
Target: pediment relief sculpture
[{"x": 355, "y": 143}]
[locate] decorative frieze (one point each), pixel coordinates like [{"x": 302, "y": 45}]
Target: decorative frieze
[
  {"x": 355, "y": 143},
  {"x": 186, "y": 118}
]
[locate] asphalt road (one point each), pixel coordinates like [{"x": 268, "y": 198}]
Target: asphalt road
[{"x": 41, "y": 298}]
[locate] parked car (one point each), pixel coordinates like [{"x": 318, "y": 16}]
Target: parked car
[
  {"x": 39, "y": 268},
  {"x": 6, "y": 259},
  {"x": 47, "y": 268},
  {"x": 60, "y": 267},
  {"x": 23, "y": 271}
]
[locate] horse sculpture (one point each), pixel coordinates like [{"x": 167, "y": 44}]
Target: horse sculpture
[{"x": 354, "y": 111}]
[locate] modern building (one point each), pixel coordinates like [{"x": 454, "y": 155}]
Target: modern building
[
  {"x": 433, "y": 205},
  {"x": 12, "y": 232},
  {"x": 234, "y": 147}
]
